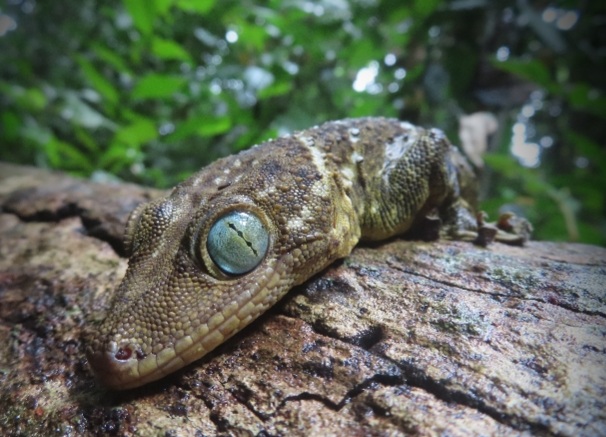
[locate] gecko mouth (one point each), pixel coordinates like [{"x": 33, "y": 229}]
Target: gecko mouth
[
  {"x": 118, "y": 368},
  {"x": 122, "y": 366},
  {"x": 117, "y": 371}
]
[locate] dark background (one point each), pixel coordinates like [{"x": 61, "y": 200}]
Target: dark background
[{"x": 151, "y": 90}]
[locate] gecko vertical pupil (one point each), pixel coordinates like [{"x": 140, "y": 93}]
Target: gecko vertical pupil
[{"x": 237, "y": 242}]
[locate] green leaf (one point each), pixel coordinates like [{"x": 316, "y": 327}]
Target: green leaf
[
  {"x": 503, "y": 164},
  {"x": 587, "y": 147},
  {"x": 215, "y": 126},
  {"x": 591, "y": 234},
  {"x": 583, "y": 98},
  {"x": 86, "y": 139},
  {"x": 76, "y": 111},
  {"x": 10, "y": 125},
  {"x": 163, "y": 6},
  {"x": 34, "y": 99},
  {"x": 157, "y": 86},
  {"x": 140, "y": 131},
  {"x": 275, "y": 89},
  {"x": 361, "y": 53},
  {"x": 252, "y": 36},
  {"x": 200, "y": 125},
  {"x": 51, "y": 152},
  {"x": 110, "y": 57},
  {"x": 184, "y": 129},
  {"x": 98, "y": 81},
  {"x": 34, "y": 132},
  {"x": 591, "y": 197},
  {"x": 423, "y": 8},
  {"x": 72, "y": 157},
  {"x": 533, "y": 70},
  {"x": 198, "y": 6},
  {"x": 143, "y": 13},
  {"x": 590, "y": 150},
  {"x": 169, "y": 49},
  {"x": 29, "y": 99},
  {"x": 116, "y": 157}
]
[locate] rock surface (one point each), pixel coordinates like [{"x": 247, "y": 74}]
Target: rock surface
[{"x": 403, "y": 338}]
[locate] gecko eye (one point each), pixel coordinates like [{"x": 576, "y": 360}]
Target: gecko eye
[{"x": 237, "y": 242}]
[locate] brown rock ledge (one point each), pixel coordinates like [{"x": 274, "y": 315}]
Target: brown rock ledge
[{"x": 404, "y": 338}]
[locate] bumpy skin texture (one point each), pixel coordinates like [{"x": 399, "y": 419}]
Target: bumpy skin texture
[{"x": 317, "y": 192}]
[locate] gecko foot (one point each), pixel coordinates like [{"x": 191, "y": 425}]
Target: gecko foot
[{"x": 509, "y": 229}]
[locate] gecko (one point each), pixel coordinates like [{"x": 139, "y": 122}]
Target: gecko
[{"x": 233, "y": 239}]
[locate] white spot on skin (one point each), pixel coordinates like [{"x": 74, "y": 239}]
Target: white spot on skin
[
  {"x": 165, "y": 210},
  {"x": 407, "y": 126},
  {"x": 319, "y": 190},
  {"x": 299, "y": 224},
  {"x": 395, "y": 150},
  {"x": 318, "y": 157},
  {"x": 399, "y": 146},
  {"x": 348, "y": 176},
  {"x": 294, "y": 224},
  {"x": 308, "y": 141},
  {"x": 349, "y": 172}
]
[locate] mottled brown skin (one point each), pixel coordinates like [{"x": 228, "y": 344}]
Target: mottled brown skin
[{"x": 317, "y": 192}]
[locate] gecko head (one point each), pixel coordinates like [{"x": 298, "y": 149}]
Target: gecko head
[
  {"x": 195, "y": 277},
  {"x": 204, "y": 265}
]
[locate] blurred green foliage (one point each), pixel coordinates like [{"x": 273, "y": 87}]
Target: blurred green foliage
[{"x": 152, "y": 90}]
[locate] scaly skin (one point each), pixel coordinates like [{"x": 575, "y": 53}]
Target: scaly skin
[{"x": 317, "y": 192}]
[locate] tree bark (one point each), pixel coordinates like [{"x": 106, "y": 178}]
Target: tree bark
[{"x": 401, "y": 338}]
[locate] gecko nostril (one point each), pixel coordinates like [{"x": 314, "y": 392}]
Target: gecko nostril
[{"x": 123, "y": 353}]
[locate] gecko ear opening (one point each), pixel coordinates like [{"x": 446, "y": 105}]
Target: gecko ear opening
[{"x": 237, "y": 242}]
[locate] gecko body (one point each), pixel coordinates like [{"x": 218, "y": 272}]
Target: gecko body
[{"x": 229, "y": 242}]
